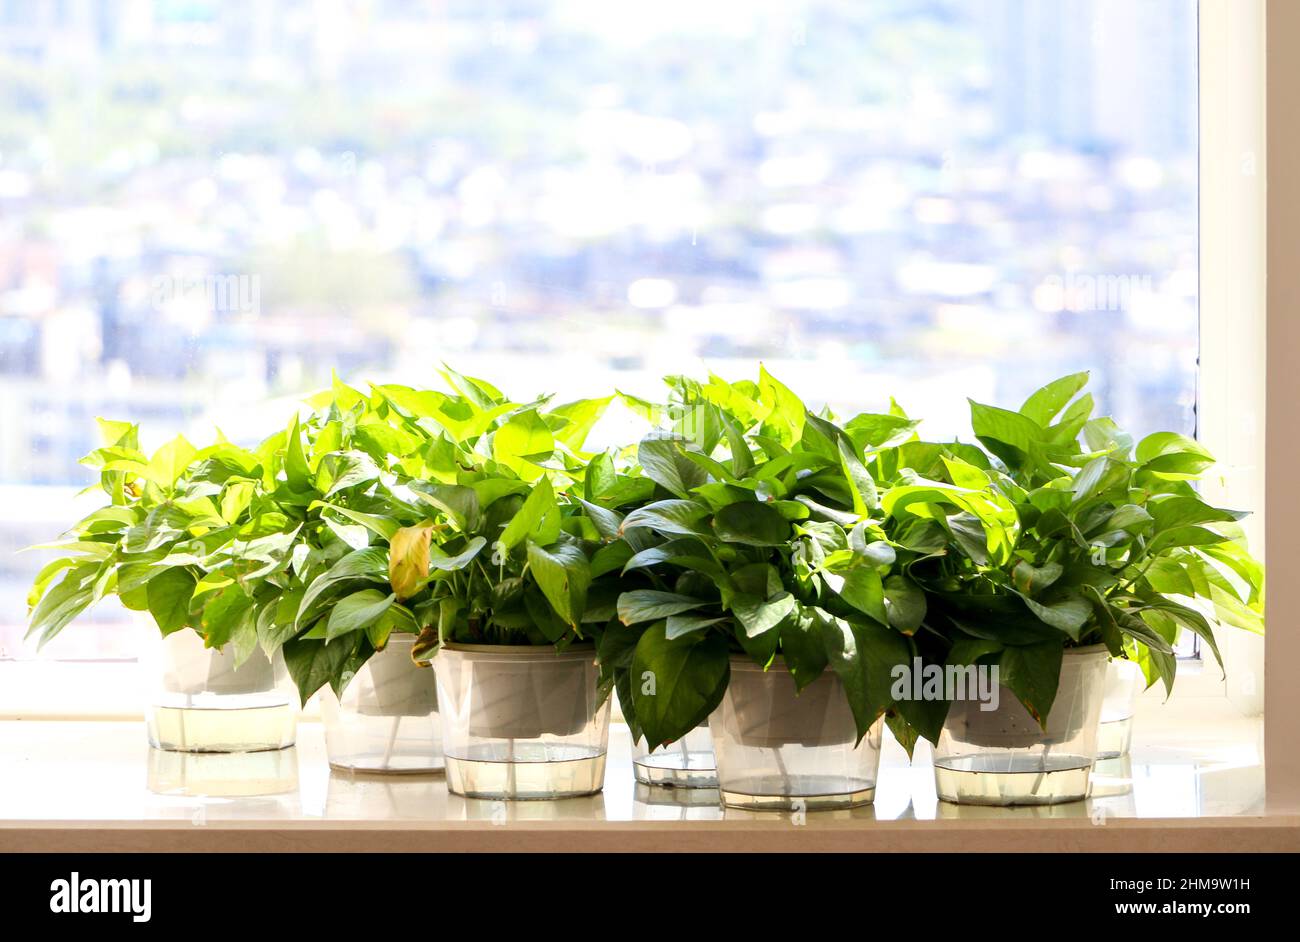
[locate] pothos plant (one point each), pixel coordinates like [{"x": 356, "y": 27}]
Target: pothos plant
[
  {"x": 192, "y": 536},
  {"x": 1061, "y": 532},
  {"x": 764, "y": 539},
  {"x": 399, "y": 510},
  {"x": 473, "y": 529}
]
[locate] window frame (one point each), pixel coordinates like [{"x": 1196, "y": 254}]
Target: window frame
[{"x": 1280, "y": 82}]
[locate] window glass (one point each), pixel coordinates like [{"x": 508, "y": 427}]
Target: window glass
[{"x": 205, "y": 206}]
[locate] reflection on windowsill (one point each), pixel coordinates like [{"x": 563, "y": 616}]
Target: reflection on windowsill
[{"x": 1189, "y": 760}]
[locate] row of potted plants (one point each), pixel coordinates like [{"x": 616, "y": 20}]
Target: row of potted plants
[{"x": 763, "y": 587}]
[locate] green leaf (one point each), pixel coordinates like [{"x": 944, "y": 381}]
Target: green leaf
[
  {"x": 313, "y": 664},
  {"x": 1131, "y": 518},
  {"x": 275, "y": 621},
  {"x": 968, "y": 651},
  {"x": 802, "y": 648},
  {"x": 169, "y": 595},
  {"x": 523, "y": 443},
  {"x": 581, "y": 417},
  {"x": 1032, "y": 672},
  {"x": 681, "y": 517},
  {"x": 1033, "y": 579},
  {"x": 458, "y": 502},
  {"x": 357, "y": 611},
  {"x": 370, "y": 564},
  {"x": 225, "y": 615},
  {"x": 905, "y": 604},
  {"x": 1009, "y": 435},
  {"x": 243, "y": 638},
  {"x": 296, "y": 469},
  {"x": 863, "y": 656},
  {"x": 925, "y": 717},
  {"x": 169, "y": 462},
  {"x": 1172, "y": 512},
  {"x": 742, "y": 459},
  {"x": 235, "y": 499},
  {"x": 444, "y": 563},
  {"x": 676, "y": 684},
  {"x": 1098, "y": 477},
  {"x": 600, "y": 477},
  {"x": 641, "y": 605},
  {"x": 535, "y": 518},
  {"x": 1075, "y": 417},
  {"x": 381, "y": 526},
  {"x": 478, "y": 391},
  {"x": 752, "y": 523},
  {"x": 563, "y": 574},
  {"x": 608, "y": 523},
  {"x": 872, "y": 431},
  {"x": 964, "y": 474},
  {"x": 861, "y": 486},
  {"x": 864, "y": 590},
  {"x": 1044, "y": 404},
  {"x": 612, "y": 557},
  {"x": 758, "y": 616},
  {"x": 685, "y": 624},
  {"x": 786, "y": 412},
  {"x": 663, "y": 462},
  {"x": 1069, "y": 615},
  {"x": 67, "y": 599},
  {"x": 1173, "y": 454},
  {"x": 1102, "y": 434}
]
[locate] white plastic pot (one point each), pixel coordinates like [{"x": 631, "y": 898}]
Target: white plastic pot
[
  {"x": 521, "y": 722},
  {"x": 687, "y": 763},
  {"x": 202, "y": 702},
  {"x": 779, "y": 750},
  {"x": 1124, "y": 682},
  {"x": 387, "y": 719},
  {"x": 1003, "y": 756}
]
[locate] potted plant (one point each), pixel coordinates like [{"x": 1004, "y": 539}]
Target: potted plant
[
  {"x": 479, "y": 543},
  {"x": 198, "y": 539},
  {"x": 378, "y": 705},
  {"x": 1056, "y": 545},
  {"x": 775, "y": 611}
]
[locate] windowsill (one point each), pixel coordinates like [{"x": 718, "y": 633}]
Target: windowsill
[{"x": 1196, "y": 784}]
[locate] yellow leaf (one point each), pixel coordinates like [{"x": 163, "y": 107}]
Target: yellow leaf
[{"x": 408, "y": 559}]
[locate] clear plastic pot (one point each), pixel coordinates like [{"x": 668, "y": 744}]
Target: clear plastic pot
[
  {"x": 1113, "y": 779},
  {"x": 387, "y": 719},
  {"x": 1123, "y": 684},
  {"x": 778, "y": 750},
  {"x": 202, "y": 702},
  {"x": 521, "y": 722},
  {"x": 650, "y": 803},
  {"x": 686, "y": 763},
  {"x": 1003, "y": 757},
  {"x": 353, "y": 796}
]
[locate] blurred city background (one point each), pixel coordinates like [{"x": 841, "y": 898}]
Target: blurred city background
[{"x": 205, "y": 205}]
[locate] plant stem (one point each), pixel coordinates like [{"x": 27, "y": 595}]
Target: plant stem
[
  {"x": 510, "y": 769},
  {"x": 392, "y": 741}
]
